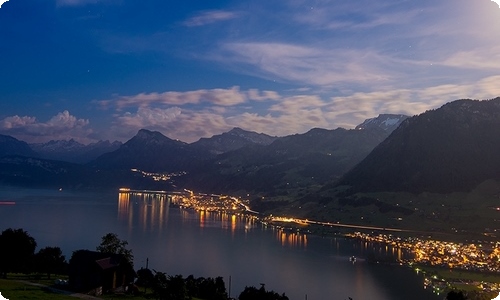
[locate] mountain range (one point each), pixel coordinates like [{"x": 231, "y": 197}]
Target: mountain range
[
  {"x": 237, "y": 160},
  {"x": 292, "y": 162},
  {"x": 73, "y": 151},
  {"x": 452, "y": 148},
  {"x": 245, "y": 162}
]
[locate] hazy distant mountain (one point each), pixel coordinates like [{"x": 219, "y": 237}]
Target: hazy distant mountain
[
  {"x": 36, "y": 172},
  {"x": 31, "y": 171},
  {"x": 94, "y": 150},
  {"x": 73, "y": 151},
  {"x": 291, "y": 162},
  {"x": 151, "y": 151},
  {"x": 13, "y": 146},
  {"x": 452, "y": 148},
  {"x": 234, "y": 139}
]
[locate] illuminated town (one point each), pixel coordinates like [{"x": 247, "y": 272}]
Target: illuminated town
[
  {"x": 158, "y": 176},
  {"x": 484, "y": 257},
  {"x": 212, "y": 202}
]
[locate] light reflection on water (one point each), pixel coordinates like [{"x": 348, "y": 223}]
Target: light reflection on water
[{"x": 150, "y": 212}]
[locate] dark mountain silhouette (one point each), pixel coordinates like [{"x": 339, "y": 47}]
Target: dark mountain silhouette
[
  {"x": 453, "y": 148},
  {"x": 73, "y": 151},
  {"x": 36, "y": 172},
  {"x": 249, "y": 162},
  {"x": 94, "y": 150},
  {"x": 33, "y": 172},
  {"x": 234, "y": 139},
  {"x": 13, "y": 146},
  {"x": 151, "y": 151},
  {"x": 296, "y": 161}
]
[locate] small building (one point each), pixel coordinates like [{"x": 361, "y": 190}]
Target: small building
[{"x": 96, "y": 273}]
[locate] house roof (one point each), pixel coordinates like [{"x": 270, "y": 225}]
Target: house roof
[{"x": 108, "y": 262}]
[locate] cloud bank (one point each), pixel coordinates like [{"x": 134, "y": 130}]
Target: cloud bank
[
  {"x": 62, "y": 126},
  {"x": 270, "y": 112}
]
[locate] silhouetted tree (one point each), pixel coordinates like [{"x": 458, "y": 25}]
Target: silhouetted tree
[
  {"x": 252, "y": 293},
  {"x": 145, "y": 277},
  {"x": 192, "y": 287},
  {"x": 176, "y": 288},
  {"x": 210, "y": 288},
  {"x": 220, "y": 289},
  {"x": 17, "y": 248},
  {"x": 110, "y": 243},
  {"x": 249, "y": 293},
  {"x": 160, "y": 285},
  {"x": 50, "y": 260},
  {"x": 454, "y": 295}
]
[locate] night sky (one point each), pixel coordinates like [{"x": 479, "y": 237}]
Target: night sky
[{"x": 103, "y": 69}]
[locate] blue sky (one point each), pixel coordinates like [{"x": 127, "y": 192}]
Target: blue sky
[{"x": 103, "y": 69}]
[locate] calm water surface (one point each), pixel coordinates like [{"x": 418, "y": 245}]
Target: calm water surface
[{"x": 179, "y": 241}]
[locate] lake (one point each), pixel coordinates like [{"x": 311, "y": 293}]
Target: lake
[{"x": 182, "y": 241}]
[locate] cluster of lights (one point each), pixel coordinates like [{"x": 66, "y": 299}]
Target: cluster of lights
[{"x": 158, "y": 176}]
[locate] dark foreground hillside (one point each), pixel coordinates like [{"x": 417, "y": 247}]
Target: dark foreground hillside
[{"x": 450, "y": 149}]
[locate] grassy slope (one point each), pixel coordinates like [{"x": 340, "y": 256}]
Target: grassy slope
[
  {"x": 455, "y": 216},
  {"x": 12, "y": 289}
]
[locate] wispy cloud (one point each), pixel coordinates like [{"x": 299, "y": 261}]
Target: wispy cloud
[
  {"x": 354, "y": 16},
  {"x": 149, "y": 117},
  {"x": 351, "y": 110},
  {"x": 220, "y": 97},
  {"x": 75, "y": 2},
  {"x": 336, "y": 44},
  {"x": 368, "y": 45},
  {"x": 308, "y": 65},
  {"x": 209, "y": 17},
  {"x": 478, "y": 59},
  {"x": 297, "y": 104}
]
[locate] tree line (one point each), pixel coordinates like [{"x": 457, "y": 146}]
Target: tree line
[{"x": 17, "y": 255}]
